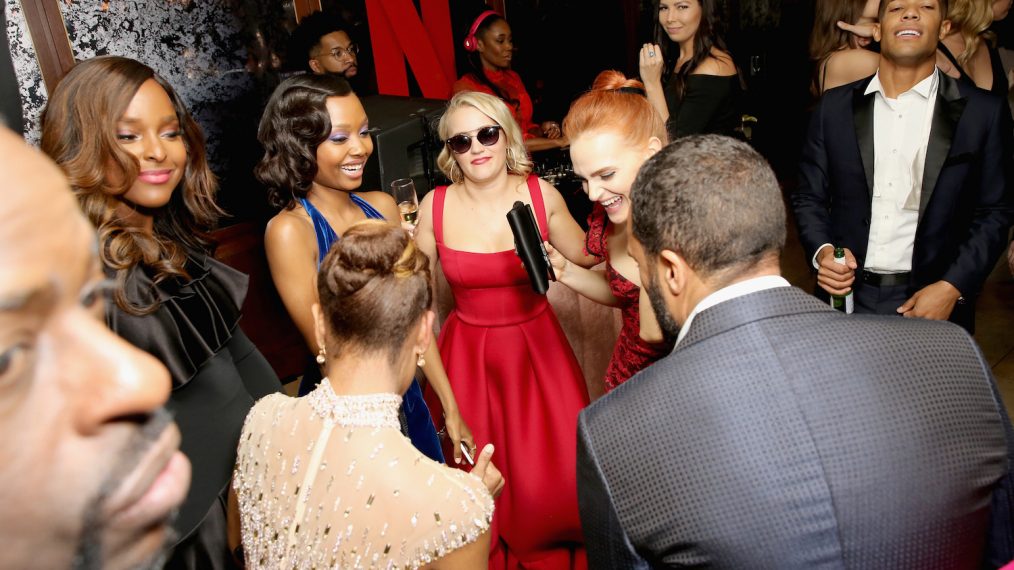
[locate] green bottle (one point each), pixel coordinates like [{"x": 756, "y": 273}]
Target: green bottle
[{"x": 842, "y": 302}]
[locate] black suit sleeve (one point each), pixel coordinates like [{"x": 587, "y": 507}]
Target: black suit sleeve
[
  {"x": 607, "y": 543},
  {"x": 811, "y": 200},
  {"x": 987, "y": 234}
]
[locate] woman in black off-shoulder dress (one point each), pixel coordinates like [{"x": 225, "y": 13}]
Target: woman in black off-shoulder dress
[
  {"x": 688, "y": 74},
  {"x": 135, "y": 158}
]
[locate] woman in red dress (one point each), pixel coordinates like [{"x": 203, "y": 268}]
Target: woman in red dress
[
  {"x": 613, "y": 129},
  {"x": 502, "y": 346},
  {"x": 490, "y": 48}
]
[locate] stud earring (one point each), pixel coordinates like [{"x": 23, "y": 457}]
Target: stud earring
[
  {"x": 421, "y": 361},
  {"x": 321, "y": 356}
]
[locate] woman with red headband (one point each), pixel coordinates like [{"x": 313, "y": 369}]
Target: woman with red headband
[{"x": 490, "y": 48}]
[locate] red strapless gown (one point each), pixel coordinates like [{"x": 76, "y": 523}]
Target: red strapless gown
[{"x": 519, "y": 386}]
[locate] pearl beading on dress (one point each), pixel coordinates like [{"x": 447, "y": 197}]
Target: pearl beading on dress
[{"x": 366, "y": 410}]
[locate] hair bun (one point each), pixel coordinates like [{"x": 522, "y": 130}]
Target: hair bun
[
  {"x": 368, "y": 250},
  {"x": 374, "y": 287},
  {"x": 612, "y": 80}
]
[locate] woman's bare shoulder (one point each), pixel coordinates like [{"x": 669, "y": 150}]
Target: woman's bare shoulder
[
  {"x": 289, "y": 225},
  {"x": 848, "y": 65},
  {"x": 718, "y": 63},
  {"x": 382, "y": 201}
]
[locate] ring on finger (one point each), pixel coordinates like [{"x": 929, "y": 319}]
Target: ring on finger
[{"x": 651, "y": 54}]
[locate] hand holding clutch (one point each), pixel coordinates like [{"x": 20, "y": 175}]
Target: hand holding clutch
[{"x": 528, "y": 244}]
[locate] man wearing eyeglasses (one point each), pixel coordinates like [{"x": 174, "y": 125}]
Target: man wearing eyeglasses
[{"x": 322, "y": 44}]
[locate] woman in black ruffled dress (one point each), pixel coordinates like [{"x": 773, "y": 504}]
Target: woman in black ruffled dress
[{"x": 135, "y": 158}]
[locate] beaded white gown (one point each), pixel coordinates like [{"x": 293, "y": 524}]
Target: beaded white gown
[{"x": 328, "y": 481}]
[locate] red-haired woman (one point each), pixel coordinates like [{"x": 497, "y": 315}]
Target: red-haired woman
[{"x": 613, "y": 129}]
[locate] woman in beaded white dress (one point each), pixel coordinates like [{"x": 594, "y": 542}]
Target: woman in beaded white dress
[{"x": 328, "y": 480}]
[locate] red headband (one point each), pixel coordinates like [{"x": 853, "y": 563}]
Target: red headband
[{"x": 470, "y": 43}]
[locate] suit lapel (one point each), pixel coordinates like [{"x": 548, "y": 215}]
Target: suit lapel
[
  {"x": 862, "y": 116},
  {"x": 766, "y": 304},
  {"x": 946, "y": 113}
]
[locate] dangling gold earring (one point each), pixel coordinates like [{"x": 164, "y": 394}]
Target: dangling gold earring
[
  {"x": 321, "y": 356},
  {"x": 420, "y": 361},
  {"x": 510, "y": 159}
]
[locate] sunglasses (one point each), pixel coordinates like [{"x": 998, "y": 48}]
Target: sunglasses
[{"x": 488, "y": 136}]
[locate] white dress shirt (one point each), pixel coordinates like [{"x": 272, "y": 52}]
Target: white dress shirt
[
  {"x": 729, "y": 293},
  {"x": 901, "y": 129}
]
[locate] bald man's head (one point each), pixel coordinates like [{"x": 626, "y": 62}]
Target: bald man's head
[
  {"x": 79, "y": 407},
  {"x": 30, "y": 176}
]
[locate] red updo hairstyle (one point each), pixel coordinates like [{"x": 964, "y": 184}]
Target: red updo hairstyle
[{"x": 615, "y": 104}]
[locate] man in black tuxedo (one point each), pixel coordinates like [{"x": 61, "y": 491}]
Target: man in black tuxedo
[
  {"x": 909, "y": 171},
  {"x": 780, "y": 433}
]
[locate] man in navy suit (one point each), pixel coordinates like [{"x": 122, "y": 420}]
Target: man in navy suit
[{"x": 908, "y": 170}]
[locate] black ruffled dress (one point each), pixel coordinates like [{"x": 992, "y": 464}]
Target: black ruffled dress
[{"x": 217, "y": 374}]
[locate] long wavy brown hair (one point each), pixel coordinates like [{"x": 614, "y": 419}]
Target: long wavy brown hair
[
  {"x": 79, "y": 133},
  {"x": 708, "y": 37}
]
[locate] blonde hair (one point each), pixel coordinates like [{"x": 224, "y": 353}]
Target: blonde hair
[
  {"x": 606, "y": 108},
  {"x": 970, "y": 18},
  {"x": 496, "y": 110}
]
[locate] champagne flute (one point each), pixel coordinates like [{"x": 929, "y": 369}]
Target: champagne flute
[{"x": 403, "y": 190}]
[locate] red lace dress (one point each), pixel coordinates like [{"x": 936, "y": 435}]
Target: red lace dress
[
  {"x": 631, "y": 353},
  {"x": 520, "y": 388}
]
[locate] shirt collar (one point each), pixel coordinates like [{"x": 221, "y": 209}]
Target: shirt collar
[
  {"x": 729, "y": 293},
  {"x": 926, "y": 87}
]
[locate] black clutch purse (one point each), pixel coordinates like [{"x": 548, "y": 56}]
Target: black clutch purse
[{"x": 528, "y": 244}]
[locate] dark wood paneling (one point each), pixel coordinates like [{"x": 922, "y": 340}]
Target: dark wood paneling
[
  {"x": 49, "y": 35},
  {"x": 264, "y": 320},
  {"x": 304, "y": 8}
]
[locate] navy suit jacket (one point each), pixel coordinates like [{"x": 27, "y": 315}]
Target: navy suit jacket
[{"x": 966, "y": 190}]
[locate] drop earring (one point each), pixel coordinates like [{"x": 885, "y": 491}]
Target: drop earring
[
  {"x": 420, "y": 361},
  {"x": 321, "y": 356}
]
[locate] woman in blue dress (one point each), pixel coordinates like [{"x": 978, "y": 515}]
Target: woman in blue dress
[{"x": 316, "y": 141}]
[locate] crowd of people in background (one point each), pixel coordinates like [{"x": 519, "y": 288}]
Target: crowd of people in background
[{"x": 151, "y": 432}]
